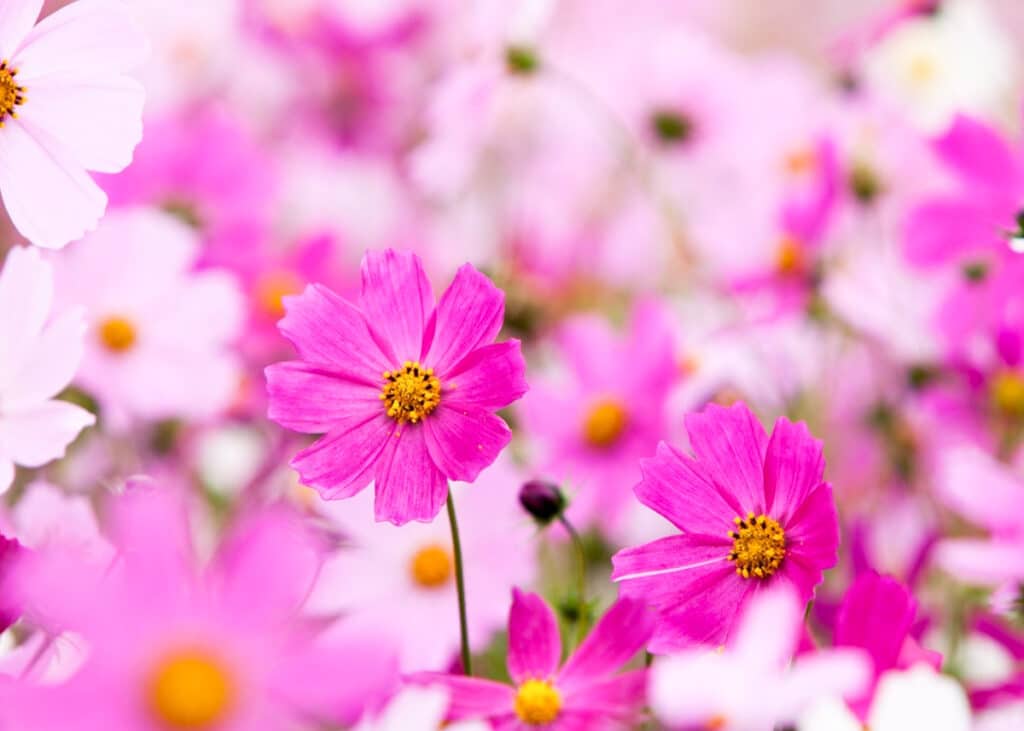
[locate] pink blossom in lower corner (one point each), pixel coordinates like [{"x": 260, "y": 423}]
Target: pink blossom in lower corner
[
  {"x": 585, "y": 693},
  {"x": 403, "y": 390},
  {"x": 753, "y": 512}
]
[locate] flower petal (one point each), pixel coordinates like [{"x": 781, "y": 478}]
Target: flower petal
[
  {"x": 470, "y": 697},
  {"x": 730, "y": 444},
  {"x": 26, "y": 294},
  {"x": 942, "y": 229},
  {"x": 534, "y": 644},
  {"x": 812, "y": 532},
  {"x": 341, "y": 464},
  {"x": 50, "y": 364},
  {"x": 491, "y": 377},
  {"x": 979, "y": 154},
  {"x": 16, "y": 20},
  {"x": 397, "y": 299},
  {"x": 876, "y": 614},
  {"x": 462, "y": 442},
  {"x": 469, "y": 315},
  {"x": 794, "y": 465},
  {"x": 39, "y": 434},
  {"x": 615, "y": 696},
  {"x": 37, "y": 174},
  {"x": 313, "y": 399},
  {"x": 624, "y": 629},
  {"x": 408, "y": 486}
]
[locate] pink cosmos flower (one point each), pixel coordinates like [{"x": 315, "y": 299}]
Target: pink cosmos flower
[
  {"x": 753, "y": 512},
  {"x": 400, "y": 582},
  {"x": 173, "y": 646},
  {"x": 595, "y": 424},
  {"x": 584, "y": 693},
  {"x": 750, "y": 685},
  {"x": 38, "y": 358},
  {"x": 157, "y": 344},
  {"x": 404, "y": 391},
  {"x": 65, "y": 107}
]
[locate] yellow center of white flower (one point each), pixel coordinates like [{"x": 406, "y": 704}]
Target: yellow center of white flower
[
  {"x": 411, "y": 393},
  {"x": 431, "y": 567},
  {"x": 758, "y": 546},
  {"x": 11, "y": 93},
  {"x": 537, "y": 702},
  {"x": 190, "y": 690},
  {"x": 117, "y": 334},
  {"x": 604, "y": 423}
]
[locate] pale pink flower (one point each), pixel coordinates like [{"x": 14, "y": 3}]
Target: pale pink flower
[
  {"x": 66, "y": 107},
  {"x": 38, "y": 359}
]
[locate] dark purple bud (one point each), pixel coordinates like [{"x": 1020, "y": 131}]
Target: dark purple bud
[
  {"x": 9, "y": 612},
  {"x": 543, "y": 500}
]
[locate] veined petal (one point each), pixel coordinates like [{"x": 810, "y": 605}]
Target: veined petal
[
  {"x": 534, "y": 645},
  {"x": 468, "y": 316},
  {"x": 462, "y": 442},
  {"x": 341, "y": 464},
  {"x": 623, "y": 630},
  {"x": 470, "y": 697},
  {"x": 397, "y": 299},
  {"x": 491, "y": 377},
  {"x": 315, "y": 400},
  {"x": 794, "y": 465},
  {"x": 408, "y": 485}
]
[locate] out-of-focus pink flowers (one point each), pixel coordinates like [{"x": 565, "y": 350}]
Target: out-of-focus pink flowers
[
  {"x": 753, "y": 512},
  {"x": 67, "y": 107},
  {"x": 405, "y": 390},
  {"x": 39, "y": 356}
]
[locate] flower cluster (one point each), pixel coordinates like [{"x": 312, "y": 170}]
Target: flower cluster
[{"x": 398, "y": 365}]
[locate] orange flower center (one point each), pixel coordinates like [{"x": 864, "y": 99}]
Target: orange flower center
[
  {"x": 411, "y": 393},
  {"x": 117, "y": 334},
  {"x": 604, "y": 423},
  {"x": 789, "y": 256},
  {"x": 190, "y": 690},
  {"x": 431, "y": 567},
  {"x": 271, "y": 290},
  {"x": 758, "y": 546},
  {"x": 11, "y": 93}
]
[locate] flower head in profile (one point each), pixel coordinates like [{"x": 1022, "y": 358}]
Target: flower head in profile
[
  {"x": 752, "y": 512},
  {"x": 586, "y": 692},
  {"x": 66, "y": 107},
  {"x": 38, "y": 358},
  {"x": 403, "y": 390}
]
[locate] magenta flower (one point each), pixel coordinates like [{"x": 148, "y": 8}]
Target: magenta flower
[
  {"x": 585, "y": 693},
  {"x": 404, "y": 391},
  {"x": 753, "y": 512}
]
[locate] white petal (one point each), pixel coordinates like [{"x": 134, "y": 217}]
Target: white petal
[
  {"x": 16, "y": 20},
  {"x": 51, "y": 200},
  {"x": 98, "y": 121},
  {"x": 6, "y": 474},
  {"x": 919, "y": 698},
  {"x": 26, "y": 294},
  {"x": 50, "y": 364},
  {"x": 38, "y": 435}
]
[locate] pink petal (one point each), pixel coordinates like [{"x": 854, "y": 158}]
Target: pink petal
[
  {"x": 624, "y": 629},
  {"x": 471, "y": 697},
  {"x": 999, "y": 506},
  {"x": 616, "y": 696},
  {"x": 730, "y": 444},
  {"x": 341, "y": 464},
  {"x": 326, "y": 329},
  {"x": 812, "y": 533},
  {"x": 408, "y": 486},
  {"x": 16, "y": 20},
  {"x": 41, "y": 433},
  {"x": 397, "y": 300},
  {"x": 703, "y": 612},
  {"x": 679, "y": 488},
  {"x": 876, "y": 614},
  {"x": 794, "y": 465},
  {"x": 982, "y": 561},
  {"x": 592, "y": 350},
  {"x": 36, "y": 174},
  {"x": 26, "y": 294},
  {"x": 98, "y": 123},
  {"x": 469, "y": 315},
  {"x": 534, "y": 644},
  {"x": 84, "y": 37},
  {"x": 945, "y": 228},
  {"x": 492, "y": 377},
  {"x": 50, "y": 364},
  {"x": 667, "y": 556},
  {"x": 313, "y": 399},
  {"x": 979, "y": 154},
  {"x": 462, "y": 442}
]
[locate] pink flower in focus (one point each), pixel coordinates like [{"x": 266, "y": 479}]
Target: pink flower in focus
[
  {"x": 750, "y": 685},
  {"x": 66, "y": 107},
  {"x": 38, "y": 358},
  {"x": 157, "y": 344},
  {"x": 753, "y": 512},
  {"x": 597, "y": 423},
  {"x": 584, "y": 693},
  {"x": 173, "y": 647},
  {"x": 404, "y": 391}
]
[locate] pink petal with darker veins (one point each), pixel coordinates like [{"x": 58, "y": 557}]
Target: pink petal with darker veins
[
  {"x": 468, "y": 316},
  {"x": 408, "y": 485},
  {"x": 534, "y": 644},
  {"x": 397, "y": 299}
]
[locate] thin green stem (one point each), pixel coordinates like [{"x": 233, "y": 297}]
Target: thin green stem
[
  {"x": 581, "y": 579},
  {"x": 460, "y": 586}
]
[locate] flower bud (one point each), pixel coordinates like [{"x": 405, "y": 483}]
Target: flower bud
[{"x": 543, "y": 500}]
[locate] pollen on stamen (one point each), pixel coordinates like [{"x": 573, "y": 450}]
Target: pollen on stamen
[
  {"x": 411, "y": 393},
  {"x": 759, "y": 546},
  {"x": 12, "y": 94}
]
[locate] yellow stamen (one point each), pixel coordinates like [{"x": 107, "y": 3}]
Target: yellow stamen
[
  {"x": 922, "y": 69},
  {"x": 431, "y": 567},
  {"x": 411, "y": 393},
  {"x": 117, "y": 334},
  {"x": 789, "y": 257},
  {"x": 11, "y": 93},
  {"x": 758, "y": 546},
  {"x": 604, "y": 423},
  {"x": 537, "y": 702},
  {"x": 190, "y": 690},
  {"x": 1007, "y": 393},
  {"x": 271, "y": 290}
]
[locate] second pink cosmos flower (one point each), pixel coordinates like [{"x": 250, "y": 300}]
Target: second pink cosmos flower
[{"x": 403, "y": 391}]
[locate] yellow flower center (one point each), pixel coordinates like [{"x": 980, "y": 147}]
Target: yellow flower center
[
  {"x": 431, "y": 567},
  {"x": 271, "y": 290},
  {"x": 1007, "y": 393},
  {"x": 801, "y": 161},
  {"x": 922, "y": 69},
  {"x": 411, "y": 393},
  {"x": 537, "y": 702},
  {"x": 789, "y": 257},
  {"x": 191, "y": 690},
  {"x": 11, "y": 93},
  {"x": 758, "y": 546},
  {"x": 117, "y": 334},
  {"x": 605, "y": 423}
]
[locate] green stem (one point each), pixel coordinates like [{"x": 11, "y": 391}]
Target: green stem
[
  {"x": 581, "y": 579},
  {"x": 460, "y": 586}
]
